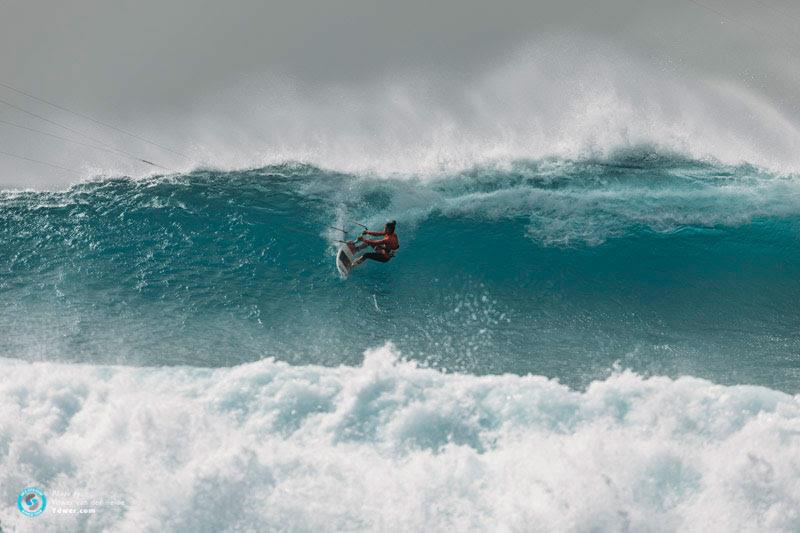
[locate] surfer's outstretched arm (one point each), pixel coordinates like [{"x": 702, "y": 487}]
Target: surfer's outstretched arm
[{"x": 373, "y": 233}]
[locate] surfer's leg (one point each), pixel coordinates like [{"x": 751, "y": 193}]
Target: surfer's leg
[{"x": 380, "y": 258}]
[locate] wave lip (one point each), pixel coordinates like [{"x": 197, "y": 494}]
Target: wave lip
[{"x": 389, "y": 445}]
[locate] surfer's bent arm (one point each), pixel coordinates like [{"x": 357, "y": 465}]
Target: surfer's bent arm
[{"x": 376, "y": 242}]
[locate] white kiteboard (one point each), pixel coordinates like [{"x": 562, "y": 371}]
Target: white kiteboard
[{"x": 344, "y": 258}]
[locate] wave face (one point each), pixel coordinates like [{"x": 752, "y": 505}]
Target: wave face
[
  {"x": 390, "y": 446},
  {"x": 554, "y": 267}
]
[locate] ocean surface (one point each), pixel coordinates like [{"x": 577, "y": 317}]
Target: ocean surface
[{"x": 586, "y": 344}]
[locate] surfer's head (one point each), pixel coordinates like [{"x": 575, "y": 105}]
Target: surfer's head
[{"x": 389, "y": 227}]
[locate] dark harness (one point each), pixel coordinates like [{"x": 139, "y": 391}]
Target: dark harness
[{"x": 386, "y": 250}]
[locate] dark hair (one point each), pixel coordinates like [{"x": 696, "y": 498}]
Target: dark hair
[{"x": 391, "y": 224}]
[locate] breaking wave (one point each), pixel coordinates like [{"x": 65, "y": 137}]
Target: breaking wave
[
  {"x": 555, "y": 267},
  {"x": 387, "y": 445}
]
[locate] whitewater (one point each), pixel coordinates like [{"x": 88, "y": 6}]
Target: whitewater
[{"x": 388, "y": 445}]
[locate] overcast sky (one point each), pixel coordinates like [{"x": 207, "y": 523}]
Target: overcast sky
[{"x": 151, "y": 65}]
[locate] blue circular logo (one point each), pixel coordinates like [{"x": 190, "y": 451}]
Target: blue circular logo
[{"x": 31, "y": 501}]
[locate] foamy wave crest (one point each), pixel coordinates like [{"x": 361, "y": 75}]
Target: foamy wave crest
[{"x": 391, "y": 446}]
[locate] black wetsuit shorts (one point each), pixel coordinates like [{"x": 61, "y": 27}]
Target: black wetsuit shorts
[{"x": 375, "y": 256}]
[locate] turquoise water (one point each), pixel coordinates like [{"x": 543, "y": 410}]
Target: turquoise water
[
  {"x": 558, "y": 268},
  {"x": 597, "y": 345}
]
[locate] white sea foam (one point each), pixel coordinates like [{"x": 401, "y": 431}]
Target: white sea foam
[
  {"x": 590, "y": 205},
  {"x": 390, "y": 446}
]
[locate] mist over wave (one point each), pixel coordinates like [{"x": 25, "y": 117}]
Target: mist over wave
[
  {"x": 560, "y": 96},
  {"x": 387, "y": 445}
]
